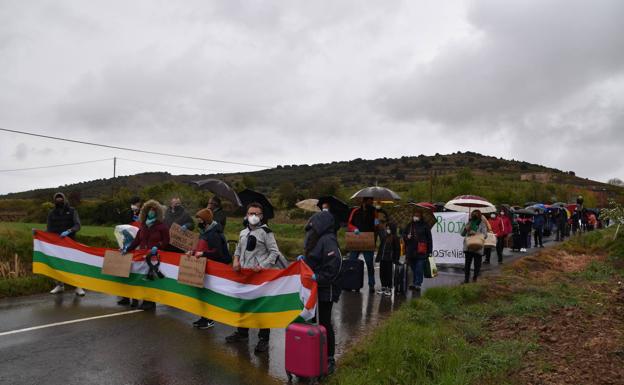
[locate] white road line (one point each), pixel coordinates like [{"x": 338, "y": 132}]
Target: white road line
[{"x": 68, "y": 322}]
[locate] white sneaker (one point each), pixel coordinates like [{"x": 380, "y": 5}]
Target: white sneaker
[
  {"x": 388, "y": 292},
  {"x": 523, "y": 250},
  {"x": 80, "y": 292},
  {"x": 381, "y": 291},
  {"x": 58, "y": 289}
]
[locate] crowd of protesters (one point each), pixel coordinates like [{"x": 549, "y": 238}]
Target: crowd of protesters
[{"x": 257, "y": 248}]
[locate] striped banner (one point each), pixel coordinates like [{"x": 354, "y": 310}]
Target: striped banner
[{"x": 267, "y": 299}]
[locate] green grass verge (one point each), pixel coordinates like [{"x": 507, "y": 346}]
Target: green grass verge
[
  {"x": 15, "y": 287},
  {"x": 444, "y": 337}
]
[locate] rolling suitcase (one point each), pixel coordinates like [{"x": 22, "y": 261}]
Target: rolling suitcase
[
  {"x": 306, "y": 351},
  {"x": 352, "y": 274},
  {"x": 516, "y": 242},
  {"x": 400, "y": 278}
]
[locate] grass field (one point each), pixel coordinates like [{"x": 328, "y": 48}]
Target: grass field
[{"x": 525, "y": 326}]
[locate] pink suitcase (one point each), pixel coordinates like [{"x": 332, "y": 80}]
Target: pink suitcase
[{"x": 306, "y": 351}]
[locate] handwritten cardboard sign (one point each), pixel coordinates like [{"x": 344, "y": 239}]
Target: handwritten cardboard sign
[
  {"x": 182, "y": 239},
  {"x": 191, "y": 270},
  {"x": 360, "y": 242},
  {"x": 117, "y": 264}
]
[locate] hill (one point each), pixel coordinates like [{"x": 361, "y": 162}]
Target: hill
[{"x": 419, "y": 178}]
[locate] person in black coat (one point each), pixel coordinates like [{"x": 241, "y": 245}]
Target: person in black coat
[
  {"x": 418, "y": 247},
  {"x": 211, "y": 245},
  {"x": 219, "y": 215},
  {"x": 388, "y": 254},
  {"x": 364, "y": 219},
  {"x": 64, "y": 221},
  {"x": 322, "y": 254}
]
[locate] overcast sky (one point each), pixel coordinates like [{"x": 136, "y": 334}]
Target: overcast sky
[{"x": 293, "y": 82}]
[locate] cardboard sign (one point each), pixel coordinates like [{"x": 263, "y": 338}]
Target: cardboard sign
[
  {"x": 182, "y": 239},
  {"x": 117, "y": 264},
  {"x": 360, "y": 242},
  {"x": 191, "y": 270}
]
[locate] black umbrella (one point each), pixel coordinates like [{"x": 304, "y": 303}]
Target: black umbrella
[
  {"x": 527, "y": 204},
  {"x": 377, "y": 193},
  {"x": 218, "y": 187},
  {"x": 248, "y": 196},
  {"x": 338, "y": 208}
]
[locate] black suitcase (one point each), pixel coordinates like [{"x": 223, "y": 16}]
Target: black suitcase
[
  {"x": 516, "y": 243},
  {"x": 400, "y": 278},
  {"x": 352, "y": 276}
]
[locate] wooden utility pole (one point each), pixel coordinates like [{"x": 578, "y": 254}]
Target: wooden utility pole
[{"x": 114, "y": 177}]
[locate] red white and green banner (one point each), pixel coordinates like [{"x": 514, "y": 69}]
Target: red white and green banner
[{"x": 267, "y": 299}]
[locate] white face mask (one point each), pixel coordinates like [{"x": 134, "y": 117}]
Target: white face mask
[
  {"x": 325, "y": 209},
  {"x": 134, "y": 207},
  {"x": 502, "y": 213},
  {"x": 253, "y": 219},
  {"x": 492, "y": 216},
  {"x": 416, "y": 219},
  {"x": 388, "y": 231}
]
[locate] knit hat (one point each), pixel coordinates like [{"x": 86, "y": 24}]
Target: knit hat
[{"x": 205, "y": 214}]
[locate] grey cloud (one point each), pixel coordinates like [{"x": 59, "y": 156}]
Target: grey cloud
[{"x": 524, "y": 56}]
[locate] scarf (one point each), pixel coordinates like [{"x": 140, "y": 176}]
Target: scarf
[{"x": 474, "y": 224}]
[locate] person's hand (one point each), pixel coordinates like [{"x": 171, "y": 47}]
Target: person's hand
[
  {"x": 198, "y": 254},
  {"x": 257, "y": 269},
  {"x": 313, "y": 276},
  {"x": 376, "y": 222},
  {"x": 154, "y": 250},
  {"x": 357, "y": 231},
  {"x": 65, "y": 233},
  {"x": 236, "y": 265},
  {"x": 123, "y": 251},
  {"x": 184, "y": 227},
  {"x": 409, "y": 236},
  {"x": 189, "y": 252},
  {"x": 300, "y": 258}
]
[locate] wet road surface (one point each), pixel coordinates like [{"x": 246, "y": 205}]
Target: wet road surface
[{"x": 161, "y": 347}]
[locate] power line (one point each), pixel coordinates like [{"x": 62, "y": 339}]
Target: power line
[
  {"x": 131, "y": 149},
  {"x": 57, "y": 165},
  {"x": 169, "y": 165}
]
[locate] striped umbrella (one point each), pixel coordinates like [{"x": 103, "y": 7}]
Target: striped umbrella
[{"x": 468, "y": 203}]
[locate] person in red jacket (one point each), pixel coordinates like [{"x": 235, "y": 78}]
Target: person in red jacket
[
  {"x": 153, "y": 234},
  {"x": 501, "y": 226}
]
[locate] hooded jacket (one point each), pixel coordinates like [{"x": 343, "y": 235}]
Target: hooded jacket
[
  {"x": 322, "y": 254},
  {"x": 420, "y": 232},
  {"x": 212, "y": 243},
  {"x": 63, "y": 218},
  {"x": 257, "y": 247},
  {"x": 501, "y": 226},
  {"x": 155, "y": 235}
]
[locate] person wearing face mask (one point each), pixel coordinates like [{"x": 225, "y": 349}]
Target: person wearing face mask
[
  {"x": 501, "y": 226},
  {"x": 364, "y": 219},
  {"x": 211, "y": 245},
  {"x": 130, "y": 217},
  {"x": 219, "y": 216},
  {"x": 418, "y": 247},
  {"x": 153, "y": 235},
  {"x": 476, "y": 225},
  {"x": 487, "y": 251},
  {"x": 387, "y": 255},
  {"x": 64, "y": 221},
  {"x": 256, "y": 250},
  {"x": 176, "y": 213}
]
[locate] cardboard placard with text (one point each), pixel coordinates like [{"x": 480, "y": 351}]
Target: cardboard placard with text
[
  {"x": 360, "y": 242},
  {"x": 182, "y": 239},
  {"x": 191, "y": 270},
  {"x": 117, "y": 264}
]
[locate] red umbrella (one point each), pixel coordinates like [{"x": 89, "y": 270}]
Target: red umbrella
[{"x": 427, "y": 205}]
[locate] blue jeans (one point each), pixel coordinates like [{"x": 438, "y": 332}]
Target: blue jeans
[
  {"x": 370, "y": 265},
  {"x": 418, "y": 270}
]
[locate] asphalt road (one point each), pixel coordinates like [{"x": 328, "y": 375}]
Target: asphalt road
[{"x": 160, "y": 347}]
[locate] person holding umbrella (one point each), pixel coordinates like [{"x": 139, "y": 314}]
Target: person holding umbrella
[
  {"x": 214, "y": 205},
  {"x": 474, "y": 226},
  {"x": 363, "y": 219},
  {"x": 418, "y": 247}
]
